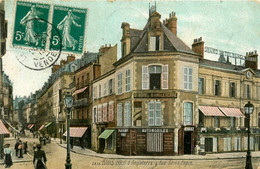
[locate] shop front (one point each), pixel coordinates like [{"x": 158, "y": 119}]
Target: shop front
[{"x": 187, "y": 140}]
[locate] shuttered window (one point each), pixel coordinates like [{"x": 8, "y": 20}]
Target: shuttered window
[
  {"x": 227, "y": 144},
  {"x": 128, "y": 114},
  {"x": 105, "y": 88},
  {"x": 251, "y": 143},
  {"x": 145, "y": 77},
  {"x": 245, "y": 143},
  {"x": 94, "y": 117},
  {"x": 154, "y": 142},
  {"x": 237, "y": 143},
  {"x": 154, "y": 114},
  {"x": 165, "y": 77},
  {"x": 110, "y": 86},
  {"x": 152, "y": 45},
  {"x": 215, "y": 144},
  {"x": 188, "y": 113},
  {"x": 111, "y": 111},
  {"x": 119, "y": 114},
  {"x": 95, "y": 92},
  {"x": 99, "y": 95},
  {"x": 104, "y": 112},
  {"x": 187, "y": 78},
  {"x": 119, "y": 84},
  {"x": 100, "y": 113},
  {"x": 128, "y": 80},
  {"x": 201, "y": 85}
]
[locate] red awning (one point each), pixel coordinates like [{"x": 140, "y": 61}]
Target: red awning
[
  {"x": 80, "y": 90},
  {"x": 41, "y": 127},
  {"x": 31, "y": 126},
  {"x": 3, "y": 129},
  {"x": 76, "y": 131},
  {"x": 231, "y": 112},
  {"x": 210, "y": 111}
]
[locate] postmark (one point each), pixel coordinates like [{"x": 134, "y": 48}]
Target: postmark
[{"x": 71, "y": 23}]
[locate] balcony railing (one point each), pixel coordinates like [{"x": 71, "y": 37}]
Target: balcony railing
[{"x": 80, "y": 102}]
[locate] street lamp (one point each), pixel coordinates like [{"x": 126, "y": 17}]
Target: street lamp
[
  {"x": 68, "y": 103},
  {"x": 249, "y": 108}
]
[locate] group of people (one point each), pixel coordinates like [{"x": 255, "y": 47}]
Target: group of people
[{"x": 39, "y": 159}]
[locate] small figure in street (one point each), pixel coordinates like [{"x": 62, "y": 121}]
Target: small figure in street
[
  {"x": 71, "y": 143},
  {"x": 20, "y": 148},
  {"x": 34, "y": 147},
  {"x": 16, "y": 148},
  {"x": 40, "y": 140},
  {"x": 25, "y": 147},
  {"x": 8, "y": 156},
  {"x": 39, "y": 159},
  {"x": 44, "y": 140}
]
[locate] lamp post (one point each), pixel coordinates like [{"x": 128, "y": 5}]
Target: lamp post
[
  {"x": 68, "y": 103},
  {"x": 249, "y": 108}
]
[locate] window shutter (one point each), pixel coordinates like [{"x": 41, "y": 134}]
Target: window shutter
[
  {"x": 145, "y": 78},
  {"x": 151, "y": 113},
  {"x": 105, "y": 112},
  {"x": 93, "y": 115},
  {"x": 235, "y": 143},
  {"x": 165, "y": 77},
  {"x": 245, "y": 91},
  {"x": 158, "y": 114},
  {"x": 127, "y": 117},
  {"x": 105, "y": 88},
  {"x": 215, "y": 144},
  {"x": 190, "y": 79},
  {"x": 152, "y": 43},
  {"x": 119, "y": 114},
  {"x": 100, "y": 113},
  {"x": 111, "y": 111},
  {"x": 185, "y": 78}
]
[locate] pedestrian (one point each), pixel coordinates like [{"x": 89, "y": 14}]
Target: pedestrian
[
  {"x": 39, "y": 159},
  {"x": 25, "y": 145},
  {"x": 34, "y": 147},
  {"x": 44, "y": 140},
  {"x": 20, "y": 148},
  {"x": 16, "y": 148},
  {"x": 71, "y": 143},
  {"x": 8, "y": 156}
]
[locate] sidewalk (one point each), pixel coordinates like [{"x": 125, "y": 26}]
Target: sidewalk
[{"x": 234, "y": 155}]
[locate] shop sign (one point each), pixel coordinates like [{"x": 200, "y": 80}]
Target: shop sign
[
  {"x": 155, "y": 130},
  {"x": 189, "y": 129},
  {"x": 157, "y": 95},
  {"x": 122, "y": 130},
  {"x": 123, "y": 134}
]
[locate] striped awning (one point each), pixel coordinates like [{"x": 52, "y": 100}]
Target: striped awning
[
  {"x": 80, "y": 90},
  {"x": 106, "y": 134},
  {"x": 31, "y": 126},
  {"x": 3, "y": 129},
  {"x": 76, "y": 131},
  {"x": 41, "y": 127},
  {"x": 232, "y": 112},
  {"x": 47, "y": 125},
  {"x": 211, "y": 111}
]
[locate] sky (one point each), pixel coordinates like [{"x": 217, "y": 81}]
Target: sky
[{"x": 232, "y": 26}]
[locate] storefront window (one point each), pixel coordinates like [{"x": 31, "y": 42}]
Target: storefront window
[{"x": 109, "y": 142}]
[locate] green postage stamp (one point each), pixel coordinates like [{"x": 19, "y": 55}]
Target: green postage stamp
[{"x": 71, "y": 25}]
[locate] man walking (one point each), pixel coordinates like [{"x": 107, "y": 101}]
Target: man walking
[
  {"x": 16, "y": 148},
  {"x": 20, "y": 148},
  {"x": 39, "y": 159},
  {"x": 25, "y": 145}
]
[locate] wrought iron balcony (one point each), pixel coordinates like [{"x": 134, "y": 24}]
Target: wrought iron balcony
[{"x": 80, "y": 103}]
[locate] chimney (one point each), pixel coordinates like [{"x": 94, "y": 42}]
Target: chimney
[
  {"x": 62, "y": 62},
  {"x": 70, "y": 58},
  {"x": 198, "y": 47},
  {"x": 103, "y": 49},
  {"x": 171, "y": 23},
  {"x": 125, "y": 41},
  {"x": 55, "y": 68},
  {"x": 251, "y": 60}
]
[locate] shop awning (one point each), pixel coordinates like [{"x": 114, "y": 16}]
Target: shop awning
[
  {"x": 210, "y": 111},
  {"x": 106, "y": 134},
  {"x": 47, "y": 125},
  {"x": 41, "y": 127},
  {"x": 31, "y": 126},
  {"x": 232, "y": 112},
  {"x": 79, "y": 90},
  {"x": 3, "y": 129},
  {"x": 11, "y": 126},
  {"x": 76, "y": 131}
]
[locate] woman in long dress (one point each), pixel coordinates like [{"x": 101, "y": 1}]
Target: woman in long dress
[
  {"x": 8, "y": 156},
  {"x": 65, "y": 25},
  {"x": 30, "y": 35}
]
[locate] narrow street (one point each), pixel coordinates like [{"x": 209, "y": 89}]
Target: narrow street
[{"x": 56, "y": 157}]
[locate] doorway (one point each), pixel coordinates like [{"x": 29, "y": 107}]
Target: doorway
[
  {"x": 209, "y": 144},
  {"x": 187, "y": 142}
]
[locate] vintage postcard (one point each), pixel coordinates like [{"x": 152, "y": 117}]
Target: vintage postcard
[{"x": 129, "y": 84}]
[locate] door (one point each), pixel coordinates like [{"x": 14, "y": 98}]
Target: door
[
  {"x": 187, "y": 142},
  {"x": 209, "y": 144}
]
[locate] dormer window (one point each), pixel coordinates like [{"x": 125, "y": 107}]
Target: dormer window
[{"x": 155, "y": 43}]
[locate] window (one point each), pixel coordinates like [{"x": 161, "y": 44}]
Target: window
[
  {"x": 248, "y": 91},
  {"x": 155, "y": 77},
  {"x": 216, "y": 122},
  {"x": 109, "y": 142},
  {"x": 258, "y": 119},
  {"x": 201, "y": 85},
  {"x": 232, "y": 121},
  {"x": 110, "y": 86},
  {"x": 105, "y": 112},
  {"x": 100, "y": 113},
  {"x": 105, "y": 88},
  {"x": 95, "y": 92},
  {"x": 217, "y": 88},
  {"x": 145, "y": 77},
  {"x": 227, "y": 144},
  {"x": 155, "y": 43},
  {"x": 128, "y": 114},
  {"x": 154, "y": 114},
  {"x": 232, "y": 90},
  {"x": 188, "y": 113},
  {"x": 99, "y": 95},
  {"x": 128, "y": 80},
  {"x": 119, "y": 83},
  {"x": 119, "y": 114},
  {"x": 111, "y": 111},
  {"x": 187, "y": 78}
]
